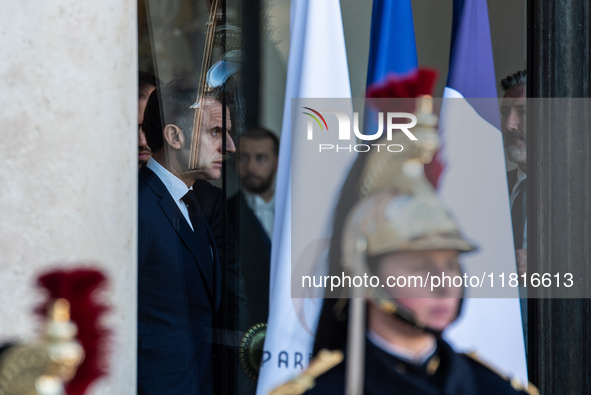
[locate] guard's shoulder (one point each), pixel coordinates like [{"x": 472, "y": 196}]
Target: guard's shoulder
[{"x": 483, "y": 366}]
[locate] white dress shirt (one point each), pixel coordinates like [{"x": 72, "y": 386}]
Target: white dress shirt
[{"x": 174, "y": 185}]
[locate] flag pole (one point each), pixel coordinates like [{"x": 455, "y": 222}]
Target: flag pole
[
  {"x": 355, "y": 368},
  {"x": 356, "y": 344}
]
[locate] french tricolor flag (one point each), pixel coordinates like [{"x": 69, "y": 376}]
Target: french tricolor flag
[{"x": 473, "y": 186}]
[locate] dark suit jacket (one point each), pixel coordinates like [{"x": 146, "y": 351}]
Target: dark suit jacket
[
  {"x": 254, "y": 256},
  {"x": 518, "y": 213},
  {"x": 234, "y": 306},
  {"x": 212, "y": 202},
  {"x": 178, "y": 296}
]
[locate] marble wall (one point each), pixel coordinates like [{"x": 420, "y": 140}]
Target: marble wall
[{"x": 68, "y": 161}]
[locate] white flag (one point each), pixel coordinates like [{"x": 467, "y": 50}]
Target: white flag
[{"x": 317, "y": 68}]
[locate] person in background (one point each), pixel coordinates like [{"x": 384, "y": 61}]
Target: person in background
[
  {"x": 147, "y": 83},
  {"x": 513, "y": 125},
  {"x": 514, "y": 128},
  {"x": 252, "y": 210}
]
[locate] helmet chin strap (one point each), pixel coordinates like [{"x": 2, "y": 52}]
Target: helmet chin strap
[
  {"x": 395, "y": 310},
  {"x": 355, "y": 261}
]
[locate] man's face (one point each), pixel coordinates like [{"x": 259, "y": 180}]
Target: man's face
[
  {"x": 257, "y": 164},
  {"x": 144, "y": 152},
  {"x": 210, "y": 155},
  {"x": 513, "y": 124},
  {"x": 436, "y": 309}
]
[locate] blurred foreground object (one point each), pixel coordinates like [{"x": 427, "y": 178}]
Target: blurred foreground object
[
  {"x": 68, "y": 358},
  {"x": 390, "y": 224},
  {"x": 324, "y": 361}
]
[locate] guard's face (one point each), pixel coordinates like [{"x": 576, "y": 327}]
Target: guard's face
[
  {"x": 436, "y": 309},
  {"x": 257, "y": 164},
  {"x": 210, "y": 154},
  {"x": 513, "y": 123},
  {"x": 144, "y": 152}
]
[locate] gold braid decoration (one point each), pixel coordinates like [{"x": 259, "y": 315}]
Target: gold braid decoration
[
  {"x": 402, "y": 172},
  {"x": 324, "y": 361},
  {"x": 41, "y": 368}
]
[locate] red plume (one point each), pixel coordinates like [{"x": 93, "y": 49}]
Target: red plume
[
  {"x": 411, "y": 85},
  {"x": 415, "y": 84},
  {"x": 78, "y": 286}
]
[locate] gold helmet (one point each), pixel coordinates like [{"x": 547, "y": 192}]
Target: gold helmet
[
  {"x": 388, "y": 205},
  {"x": 397, "y": 208}
]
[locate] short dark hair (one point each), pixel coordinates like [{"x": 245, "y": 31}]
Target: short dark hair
[
  {"x": 171, "y": 104},
  {"x": 513, "y": 80},
  {"x": 147, "y": 79},
  {"x": 259, "y": 133}
]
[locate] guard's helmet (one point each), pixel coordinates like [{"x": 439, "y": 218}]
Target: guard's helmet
[{"x": 387, "y": 206}]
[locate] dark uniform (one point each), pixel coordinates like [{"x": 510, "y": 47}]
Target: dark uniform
[{"x": 444, "y": 373}]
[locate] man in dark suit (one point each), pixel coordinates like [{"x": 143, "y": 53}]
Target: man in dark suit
[
  {"x": 179, "y": 276},
  {"x": 513, "y": 125},
  {"x": 252, "y": 211}
]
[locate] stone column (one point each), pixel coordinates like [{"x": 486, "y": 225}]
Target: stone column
[
  {"x": 68, "y": 160},
  {"x": 559, "y": 205}
]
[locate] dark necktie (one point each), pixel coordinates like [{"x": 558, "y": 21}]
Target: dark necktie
[
  {"x": 198, "y": 219},
  {"x": 519, "y": 214}
]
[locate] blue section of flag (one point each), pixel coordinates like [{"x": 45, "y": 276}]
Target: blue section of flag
[
  {"x": 392, "y": 45},
  {"x": 392, "y": 49},
  {"x": 471, "y": 65}
]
